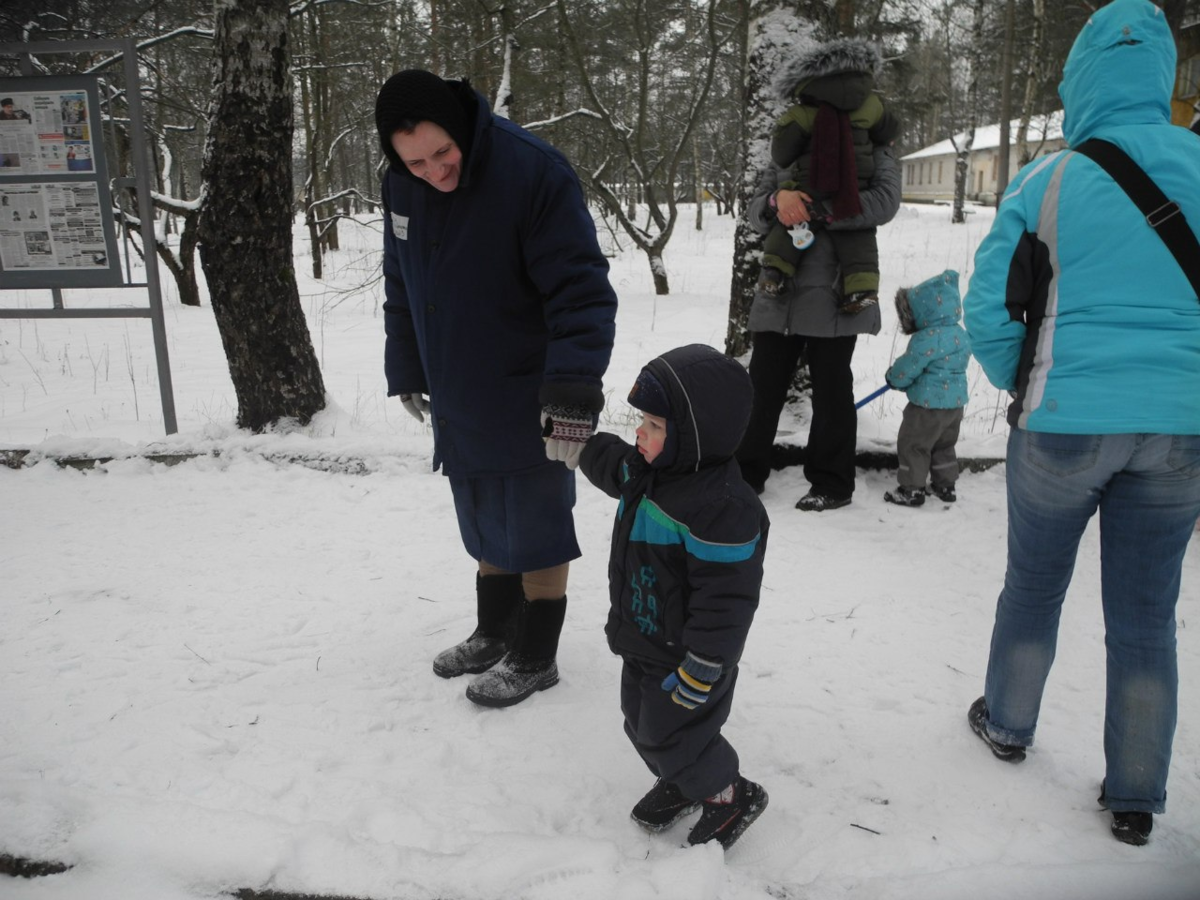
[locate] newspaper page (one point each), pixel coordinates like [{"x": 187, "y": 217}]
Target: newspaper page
[
  {"x": 46, "y": 133},
  {"x": 53, "y": 225}
]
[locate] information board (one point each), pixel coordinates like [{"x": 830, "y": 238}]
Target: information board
[{"x": 56, "y": 218}]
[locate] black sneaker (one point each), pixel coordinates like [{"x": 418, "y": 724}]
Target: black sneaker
[
  {"x": 905, "y": 496},
  {"x": 816, "y": 502},
  {"x": 978, "y": 717},
  {"x": 662, "y": 807},
  {"x": 1132, "y": 827},
  {"x": 770, "y": 281},
  {"x": 729, "y": 813},
  {"x": 476, "y": 654},
  {"x": 512, "y": 679},
  {"x": 858, "y": 301},
  {"x": 945, "y": 494}
]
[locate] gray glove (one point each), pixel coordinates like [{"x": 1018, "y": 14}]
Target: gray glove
[
  {"x": 566, "y": 431},
  {"x": 416, "y": 404}
]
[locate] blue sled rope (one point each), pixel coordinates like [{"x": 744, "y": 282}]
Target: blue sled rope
[{"x": 867, "y": 399}]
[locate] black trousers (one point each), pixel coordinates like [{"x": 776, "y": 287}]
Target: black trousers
[
  {"x": 833, "y": 434},
  {"x": 680, "y": 745}
]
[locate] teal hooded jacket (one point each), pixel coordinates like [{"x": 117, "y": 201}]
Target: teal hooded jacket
[
  {"x": 932, "y": 371},
  {"x": 1075, "y": 304}
]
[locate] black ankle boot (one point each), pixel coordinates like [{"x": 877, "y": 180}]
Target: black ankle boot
[
  {"x": 498, "y": 599},
  {"x": 530, "y": 664}
]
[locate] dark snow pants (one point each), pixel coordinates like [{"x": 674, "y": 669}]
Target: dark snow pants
[
  {"x": 925, "y": 446},
  {"x": 680, "y": 745}
]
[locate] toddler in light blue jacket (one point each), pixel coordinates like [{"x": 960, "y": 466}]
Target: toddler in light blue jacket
[{"x": 933, "y": 373}]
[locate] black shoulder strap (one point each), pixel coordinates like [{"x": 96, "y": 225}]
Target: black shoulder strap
[{"x": 1163, "y": 215}]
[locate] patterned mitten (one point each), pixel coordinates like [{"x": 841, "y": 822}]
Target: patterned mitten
[
  {"x": 690, "y": 683},
  {"x": 566, "y": 429}
]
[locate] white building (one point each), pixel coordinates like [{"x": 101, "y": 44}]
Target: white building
[{"x": 928, "y": 174}]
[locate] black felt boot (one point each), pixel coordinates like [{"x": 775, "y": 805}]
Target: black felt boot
[
  {"x": 498, "y": 598},
  {"x": 529, "y": 666}
]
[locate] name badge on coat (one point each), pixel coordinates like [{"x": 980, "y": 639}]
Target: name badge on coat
[{"x": 400, "y": 226}]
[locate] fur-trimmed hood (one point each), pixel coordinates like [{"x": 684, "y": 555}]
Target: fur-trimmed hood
[{"x": 835, "y": 57}]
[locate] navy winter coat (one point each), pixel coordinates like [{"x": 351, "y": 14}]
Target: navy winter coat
[
  {"x": 688, "y": 543},
  {"x": 497, "y": 298}
]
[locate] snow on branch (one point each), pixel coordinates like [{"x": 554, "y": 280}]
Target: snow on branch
[
  {"x": 177, "y": 206},
  {"x": 301, "y": 8},
  {"x": 150, "y": 42},
  {"x": 544, "y": 123},
  {"x": 349, "y": 192}
]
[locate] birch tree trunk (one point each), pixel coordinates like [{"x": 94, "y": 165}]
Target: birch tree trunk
[
  {"x": 245, "y": 227},
  {"x": 768, "y": 23},
  {"x": 1033, "y": 77},
  {"x": 963, "y": 164},
  {"x": 1005, "y": 101}
]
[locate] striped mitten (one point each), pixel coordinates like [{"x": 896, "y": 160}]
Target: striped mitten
[{"x": 691, "y": 682}]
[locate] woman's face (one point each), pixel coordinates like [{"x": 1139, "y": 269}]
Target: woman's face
[
  {"x": 651, "y": 435},
  {"x": 430, "y": 154}
]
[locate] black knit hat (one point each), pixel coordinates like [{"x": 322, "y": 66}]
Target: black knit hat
[
  {"x": 648, "y": 395},
  {"x": 414, "y": 96}
]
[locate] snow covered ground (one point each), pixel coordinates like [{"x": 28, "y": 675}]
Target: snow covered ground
[{"x": 216, "y": 675}]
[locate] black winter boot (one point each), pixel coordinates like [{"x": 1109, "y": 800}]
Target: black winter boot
[
  {"x": 529, "y": 666},
  {"x": 662, "y": 807},
  {"x": 905, "y": 496},
  {"x": 498, "y": 598},
  {"x": 729, "y": 813}
]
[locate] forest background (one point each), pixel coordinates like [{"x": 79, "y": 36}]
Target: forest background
[{"x": 657, "y": 103}]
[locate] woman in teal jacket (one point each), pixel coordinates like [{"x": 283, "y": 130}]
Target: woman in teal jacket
[{"x": 1078, "y": 308}]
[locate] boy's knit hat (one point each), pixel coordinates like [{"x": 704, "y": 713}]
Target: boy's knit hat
[
  {"x": 649, "y": 396},
  {"x": 415, "y": 95}
]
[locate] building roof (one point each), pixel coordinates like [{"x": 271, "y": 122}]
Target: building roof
[{"x": 987, "y": 137}]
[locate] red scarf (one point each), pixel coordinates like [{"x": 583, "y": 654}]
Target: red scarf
[{"x": 834, "y": 172}]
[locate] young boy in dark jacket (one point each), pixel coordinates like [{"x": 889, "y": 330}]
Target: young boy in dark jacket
[{"x": 685, "y": 571}]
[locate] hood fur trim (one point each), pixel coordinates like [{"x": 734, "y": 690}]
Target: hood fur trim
[{"x": 829, "y": 58}]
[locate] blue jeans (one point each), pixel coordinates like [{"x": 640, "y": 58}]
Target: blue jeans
[{"x": 1147, "y": 489}]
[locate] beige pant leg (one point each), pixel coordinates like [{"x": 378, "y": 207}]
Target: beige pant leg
[{"x": 542, "y": 584}]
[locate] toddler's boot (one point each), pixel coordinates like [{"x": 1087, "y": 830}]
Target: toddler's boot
[
  {"x": 662, "y": 807},
  {"x": 857, "y": 302},
  {"x": 727, "y": 814},
  {"x": 945, "y": 492},
  {"x": 497, "y": 599},
  {"x": 905, "y": 496},
  {"x": 770, "y": 281}
]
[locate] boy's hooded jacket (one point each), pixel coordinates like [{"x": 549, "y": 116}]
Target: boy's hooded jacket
[
  {"x": 933, "y": 369},
  {"x": 688, "y": 542},
  {"x": 497, "y": 295},
  {"x": 1075, "y": 302}
]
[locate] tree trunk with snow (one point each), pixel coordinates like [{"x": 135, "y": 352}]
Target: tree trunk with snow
[
  {"x": 1033, "y": 77},
  {"x": 1005, "y": 100},
  {"x": 773, "y": 29},
  {"x": 962, "y": 172},
  {"x": 245, "y": 226}
]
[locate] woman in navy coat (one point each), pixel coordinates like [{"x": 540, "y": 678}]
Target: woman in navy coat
[{"x": 500, "y": 323}]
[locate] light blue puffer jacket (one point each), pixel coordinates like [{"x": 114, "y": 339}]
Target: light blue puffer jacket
[
  {"x": 933, "y": 370},
  {"x": 1075, "y": 303}
]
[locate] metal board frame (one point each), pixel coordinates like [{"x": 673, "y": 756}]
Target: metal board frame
[{"x": 126, "y": 50}]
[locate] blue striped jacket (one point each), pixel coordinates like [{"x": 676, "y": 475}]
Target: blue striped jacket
[{"x": 688, "y": 541}]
